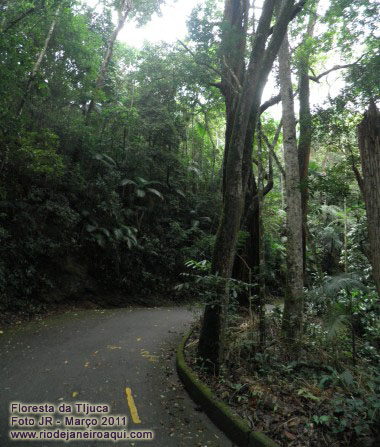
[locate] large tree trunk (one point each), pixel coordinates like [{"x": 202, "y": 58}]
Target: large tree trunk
[
  {"x": 241, "y": 122},
  {"x": 246, "y": 266},
  {"x": 369, "y": 145},
  {"x": 293, "y": 309},
  {"x": 125, "y": 9}
]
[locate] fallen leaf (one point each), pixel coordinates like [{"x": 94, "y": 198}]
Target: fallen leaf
[
  {"x": 293, "y": 422},
  {"x": 153, "y": 358},
  {"x": 290, "y": 436}
]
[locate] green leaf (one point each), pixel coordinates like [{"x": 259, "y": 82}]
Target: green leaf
[
  {"x": 347, "y": 378},
  {"x": 156, "y": 193},
  {"x": 109, "y": 159},
  {"x": 118, "y": 234},
  {"x": 179, "y": 192},
  {"x": 127, "y": 181},
  {"x": 324, "y": 419},
  {"x": 106, "y": 232},
  {"x": 336, "y": 323},
  {"x": 142, "y": 181},
  {"x": 100, "y": 239},
  {"x": 194, "y": 169}
]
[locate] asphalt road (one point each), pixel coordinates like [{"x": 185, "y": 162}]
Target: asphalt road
[{"x": 123, "y": 359}]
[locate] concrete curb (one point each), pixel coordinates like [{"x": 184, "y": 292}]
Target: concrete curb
[{"x": 233, "y": 426}]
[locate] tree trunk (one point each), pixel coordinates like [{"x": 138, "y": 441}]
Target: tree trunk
[
  {"x": 262, "y": 288},
  {"x": 37, "y": 65},
  {"x": 124, "y": 11},
  {"x": 247, "y": 265},
  {"x": 241, "y": 124},
  {"x": 292, "y": 319},
  {"x": 305, "y": 136},
  {"x": 369, "y": 145}
]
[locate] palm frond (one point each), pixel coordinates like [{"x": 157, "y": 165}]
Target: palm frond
[{"x": 345, "y": 281}]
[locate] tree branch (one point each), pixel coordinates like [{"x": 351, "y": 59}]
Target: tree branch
[
  {"x": 271, "y": 102},
  {"x": 358, "y": 176},
  {"x": 296, "y": 10},
  {"x": 273, "y": 145},
  {"x": 334, "y": 68},
  {"x": 19, "y": 18}
]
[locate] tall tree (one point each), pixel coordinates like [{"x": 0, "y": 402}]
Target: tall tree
[
  {"x": 369, "y": 146},
  {"x": 242, "y": 88},
  {"x": 37, "y": 65},
  {"x": 305, "y": 135},
  {"x": 123, "y": 12},
  {"x": 292, "y": 319}
]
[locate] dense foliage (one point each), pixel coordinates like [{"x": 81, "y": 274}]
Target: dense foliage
[{"x": 114, "y": 202}]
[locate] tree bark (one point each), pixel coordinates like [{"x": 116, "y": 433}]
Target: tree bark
[
  {"x": 305, "y": 136},
  {"x": 293, "y": 308},
  {"x": 369, "y": 146},
  {"x": 241, "y": 124},
  {"x": 262, "y": 288},
  {"x": 251, "y": 253}
]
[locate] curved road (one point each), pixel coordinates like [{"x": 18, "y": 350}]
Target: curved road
[{"x": 122, "y": 358}]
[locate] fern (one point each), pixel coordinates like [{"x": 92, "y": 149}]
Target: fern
[{"x": 345, "y": 281}]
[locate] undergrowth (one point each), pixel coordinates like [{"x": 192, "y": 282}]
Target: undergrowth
[{"x": 329, "y": 395}]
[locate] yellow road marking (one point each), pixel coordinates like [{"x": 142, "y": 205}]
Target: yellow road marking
[
  {"x": 132, "y": 406},
  {"x": 150, "y": 357},
  {"x": 113, "y": 347}
]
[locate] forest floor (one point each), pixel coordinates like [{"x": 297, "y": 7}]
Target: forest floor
[{"x": 303, "y": 403}]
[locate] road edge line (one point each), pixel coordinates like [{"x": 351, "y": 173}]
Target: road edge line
[{"x": 233, "y": 426}]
